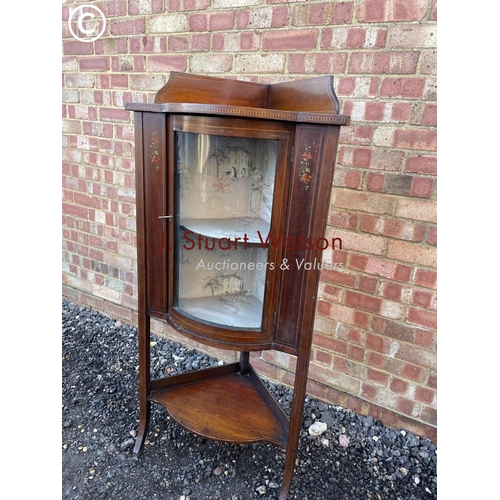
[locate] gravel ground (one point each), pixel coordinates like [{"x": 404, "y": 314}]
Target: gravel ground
[{"x": 355, "y": 458}]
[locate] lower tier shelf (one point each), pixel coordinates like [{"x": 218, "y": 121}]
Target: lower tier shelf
[
  {"x": 230, "y": 407},
  {"x": 234, "y": 309}
]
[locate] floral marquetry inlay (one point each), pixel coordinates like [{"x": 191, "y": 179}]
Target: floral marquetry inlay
[
  {"x": 305, "y": 169},
  {"x": 154, "y": 154}
]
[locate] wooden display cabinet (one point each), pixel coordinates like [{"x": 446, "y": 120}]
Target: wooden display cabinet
[{"x": 233, "y": 182}]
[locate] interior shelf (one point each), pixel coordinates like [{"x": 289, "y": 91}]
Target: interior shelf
[
  {"x": 253, "y": 229},
  {"x": 210, "y": 409},
  {"x": 233, "y": 309}
]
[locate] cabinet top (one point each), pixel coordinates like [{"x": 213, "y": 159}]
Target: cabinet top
[{"x": 310, "y": 100}]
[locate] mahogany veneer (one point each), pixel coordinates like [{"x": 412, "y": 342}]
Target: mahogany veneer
[{"x": 262, "y": 155}]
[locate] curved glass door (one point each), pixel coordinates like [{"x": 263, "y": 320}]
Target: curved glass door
[{"x": 225, "y": 189}]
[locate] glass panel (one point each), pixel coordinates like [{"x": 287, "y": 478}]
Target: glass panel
[{"x": 225, "y": 197}]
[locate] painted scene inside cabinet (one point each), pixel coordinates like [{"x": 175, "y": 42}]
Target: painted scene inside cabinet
[{"x": 225, "y": 197}]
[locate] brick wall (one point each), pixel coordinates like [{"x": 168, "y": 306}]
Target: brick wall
[{"x": 375, "y": 331}]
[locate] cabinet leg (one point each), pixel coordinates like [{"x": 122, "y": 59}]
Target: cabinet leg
[
  {"x": 288, "y": 473},
  {"x": 299, "y": 394},
  {"x": 284, "y": 492},
  {"x": 244, "y": 362},
  {"x": 143, "y": 427},
  {"x": 144, "y": 379}
]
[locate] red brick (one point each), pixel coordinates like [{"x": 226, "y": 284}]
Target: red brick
[
  {"x": 357, "y": 135},
  {"x": 393, "y": 183},
  {"x": 427, "y": 319},
  {"x": 416, "y": 210},
  {"x": 421, "y": 298},
  {"x": 200, "y": 42},
  {"x": 137, "y": 7},
  {"x": 371, "y": 11},
  {"x": 349, "y": 178},
  {"x": 330, "y": 344},
  {"x": 119, "y": 81},
  {"x": 88, "y": 201},
  {"x": 432, "y": 381},
  {"x": 376, "y": 359},
  {"x": 342, "y": 12},
  {"x": 363, "y": 302},
  {"x": 415, "y": 139},
  {"x": 418, "y": 356},
  {"x": 343, "y": 219},
  {"x": 346, "y": 86},
  {"x": 128, "y": 27},
  {"x": 198, "y": 22},
  {"x": 424, "y": 395},
  {"x": 429, "y": 415},
  {"x": 385, "y": 10},
  {"x": 355, "y": 353},
  {"x": 405, "y": 406},
  {"x": 94, "y": 64},
  {"x": 167, "y": 63},
  {"x": 374, "y": 111},
  {"x": 378, "y": 377},
  {"x": 398, "y": 331},
  {"x": 340, "y": 365},
  {"x": 310, "y": 15},
  {"x": 396, "y": 228},
  {"x": 356, "y": 38},
  {"x": 409, "y": 252},
  {"x": 413, "y": 372},
  {"x": 425, "y": 278},
  {"x": 361, "y": 157},
  {"x": 249, "y": 41},
  {"x": 220, "y": 21},
  {"x": 352, "y": 179},
  {"x": 375, "y": 182},
  {"x": 317, "y": 63},
  {"x": 358, "y": 262},
  {"x": 392, "y": 291},
  {"x": 429, "y": 116},
  {"x": 425, "y": 338},
  {"x": 374, "y": 342},
  {"x": 340, "y": 278},
  {"x": 368, "y": 223},
  {"x": 421, "y": 164},
  {"x": 400, "y": 112},
  {"x": 402, "y": 273},
  {"x": 361, "y": 319},
  {"x": 410, "y": 10},
  {"x": 334, "y": 293},
  {"x": 242, "y": 19},
  {"x": 367, "y": 284},
  {"x": 386, "y": 159},
  {"x": 114, "y": 115},
  {"x": 280, "y": 16},
  {"x": 147, "y": 44},
  {"x": 434, "y": 10},
  {"x": 289, "y": 40},
  {"x": 407, "y": 88},
  {"x": 422, "y": 187},
  {"x": 74, "y": 210},
  {"x": 369, "y": 391},
  {"x": 178, "y": 43},
  {"x": 323, "y": 357},
  {"x": 323, "y": 307},
  {"x": 398, "y": 385},
  {"x": 432, "y": 237},
  {"x": 75, "y": 47}
]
